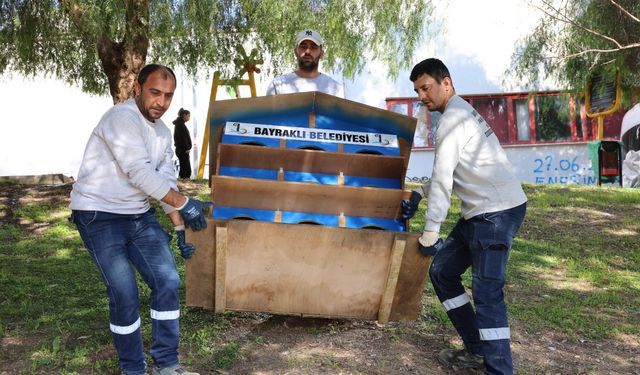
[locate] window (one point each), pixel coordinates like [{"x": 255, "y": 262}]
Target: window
[
  {"x": 421, "y": 137},
  {"x": 522, "y": 119},
  {"x": 401, "y": 108},
  {"x": 494, "y": 112},
  {"x": 578, "y": 126},
  {"x": 434, "y": 117},
  {"x": 553, "y": 119}
]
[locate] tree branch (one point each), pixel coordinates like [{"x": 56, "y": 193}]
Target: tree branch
[
  {"x": 625, "y": 11},
  {"x": 598, "y": 50},
  {"x": 563, "y": 18},
  {"x": 77, "y": 17}
]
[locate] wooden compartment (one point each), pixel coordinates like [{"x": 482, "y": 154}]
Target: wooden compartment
[
  {"x": 305, "y": 197},
  {"x": 304, "y": 269},
  {"x": 365, "y": 165}
]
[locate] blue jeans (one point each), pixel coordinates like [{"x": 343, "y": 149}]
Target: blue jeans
[
  {"x": 482, "y": 243},
  {"x": 118, "y": 243}
]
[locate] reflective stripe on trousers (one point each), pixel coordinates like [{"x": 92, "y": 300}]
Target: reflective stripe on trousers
[{"x": 482, "y": 243}]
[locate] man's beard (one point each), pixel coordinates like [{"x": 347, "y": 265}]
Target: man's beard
[{"x": 308, "y": 66}]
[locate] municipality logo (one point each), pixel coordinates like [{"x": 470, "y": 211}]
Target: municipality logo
[
  {"x": 378, "y": 139},
  {"x": 237, "y": 128}
]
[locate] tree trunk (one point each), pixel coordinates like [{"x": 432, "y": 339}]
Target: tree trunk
[
  {"x": 122, "y": 61},
  {"x": 121, "y": 65}
]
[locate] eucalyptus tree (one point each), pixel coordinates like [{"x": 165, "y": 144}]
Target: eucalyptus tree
[
  {"x": 576, "y": 39},
  {"x": 100, "y": 45}
]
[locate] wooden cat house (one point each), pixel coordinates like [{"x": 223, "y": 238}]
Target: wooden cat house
[{"x": 306, "y": 191}]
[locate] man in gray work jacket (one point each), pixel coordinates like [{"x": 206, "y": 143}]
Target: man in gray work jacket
[{"x": 470, "y": 162}]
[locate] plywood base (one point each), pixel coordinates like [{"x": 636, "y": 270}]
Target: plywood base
[{"x": 306, "y": 270}]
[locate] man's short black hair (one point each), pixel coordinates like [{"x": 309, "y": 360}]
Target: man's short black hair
[
  {"x": 432, "y": 67},
  {"x": 148, "y": 69}
]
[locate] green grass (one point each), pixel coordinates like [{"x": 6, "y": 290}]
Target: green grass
[{"x": 574, "y": 269}]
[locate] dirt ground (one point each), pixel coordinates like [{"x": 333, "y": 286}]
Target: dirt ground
[{"x": 293, "y": 345}]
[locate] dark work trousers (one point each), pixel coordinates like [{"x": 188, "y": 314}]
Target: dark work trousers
[
  {"x": 482, "y": 242},
  {"x": 185, "y": 164}
]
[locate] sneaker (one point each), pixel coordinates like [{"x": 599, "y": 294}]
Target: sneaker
[
  {"x": 460, "y": 359},
  {"x": 174, "y": 370}
]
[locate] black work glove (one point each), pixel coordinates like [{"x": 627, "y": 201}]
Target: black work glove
[
  {"x": 410, "y": 206},
  {"x": 430, "y": 250},
  {"x": 186, "y": 249},
  {"x": 192, "y": 214}
]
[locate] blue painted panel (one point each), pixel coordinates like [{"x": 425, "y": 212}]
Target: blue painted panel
[
  {"x": 366, "y": 149},
  {"x": 318, "y": 178},
  {"x": 388, "y": 183},
  {"x": 325, "y": 146},
  {"x": 264, "y": 174},
  {"x": 343, "y": 117},
  {"x": 227, "y": 213},
  {"x": 290, "y": 217},
  {"x": 240, "y": 140}
]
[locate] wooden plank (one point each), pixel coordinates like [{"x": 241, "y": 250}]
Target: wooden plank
[
  {"x": 413, "y": 275},
  {"x": 392, "y": 280},
  {"x": 221, "y": 268},
  {"x": 297, "y": 160},
  {"x": 312, "y": 119},
  {"x": 307, "y": 197},
  {"x": 306, "y": 269},
  {"x": 200, "y": 269}
]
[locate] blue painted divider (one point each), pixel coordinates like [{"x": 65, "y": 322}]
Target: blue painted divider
[
  {"x": 324, "y": 146},
  {"x": 388, "y": 183},
  {"x": 228, "y": 213},
  {"x": 367, "y": 149},
  {"x": 290, "y": 217},
  {"x": 241, "y": 140},
  {"x": 264, "y": 174},
  {"x": 318, "y": 178}
]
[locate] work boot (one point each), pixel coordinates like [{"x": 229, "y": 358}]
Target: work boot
[
  {"x": 174, "y": 370},
  {"x": 460, "y": 359}
]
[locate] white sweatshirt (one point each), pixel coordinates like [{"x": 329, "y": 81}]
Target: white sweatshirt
[
  {"x": 470, "y": 161},
  {"x": 127, "y": 159},
  {"x": 291, "y": 83}
]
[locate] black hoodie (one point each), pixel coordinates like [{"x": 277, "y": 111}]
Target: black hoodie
[{"x": 181, "y": 136}]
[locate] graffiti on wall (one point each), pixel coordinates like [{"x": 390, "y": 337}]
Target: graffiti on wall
[
  {"x": 550, "y": 169},
  {"x": 539, "y": 164}
]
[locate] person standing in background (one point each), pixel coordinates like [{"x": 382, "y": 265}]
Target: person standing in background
[
  {"x": 309, "y": 50},
  {"x": 182, "y": 142}
]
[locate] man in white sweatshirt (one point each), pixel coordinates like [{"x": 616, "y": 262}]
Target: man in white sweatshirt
[
  {"x": 127, "y": 160},
  {"x": 309, "y": 50},
  {"x": 470, "y": 162}
]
